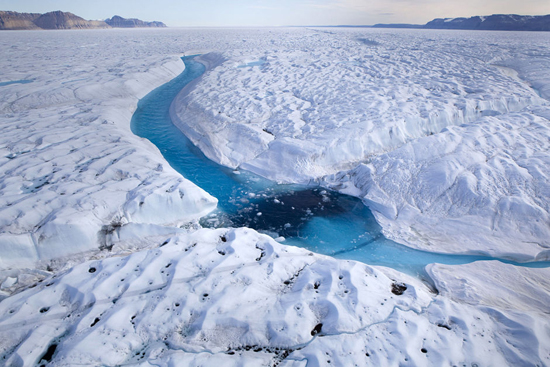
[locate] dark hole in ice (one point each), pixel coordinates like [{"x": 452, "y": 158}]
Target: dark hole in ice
[
  {"x": 398, "y": 288},
  {"x": 424, "y": 350},
  {"x": 49, "y": 353},
  {"x": 44, "y": 309},
  {"x": 223, "y": 239},
  {"x": 91, "y": 270},
  {"x": 316, "y": 285},
  {"x": 95, "y": 322},
  {"x": 291, "y": 212},
  {"x": 444, "y": 326},
  {"x": 317, "y": 329}
]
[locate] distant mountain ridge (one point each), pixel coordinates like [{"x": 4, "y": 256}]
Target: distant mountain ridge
[
  {"x": 11, "y": 20},
  {"x": 120, "y": 22},
  {"x": 495, "y": 22},
  {"x": 14, "y": 20}
]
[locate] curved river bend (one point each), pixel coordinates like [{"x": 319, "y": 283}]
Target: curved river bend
[{"x": 322, "y": 221}]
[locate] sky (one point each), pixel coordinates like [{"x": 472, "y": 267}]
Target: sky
[{"x": 176, "y": 13}]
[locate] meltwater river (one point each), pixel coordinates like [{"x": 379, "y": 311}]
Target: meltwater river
[{"x": 320, "y": 220}]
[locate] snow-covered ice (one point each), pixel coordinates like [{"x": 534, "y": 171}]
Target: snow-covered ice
[
  {"x": 239, "y": 298},
  {"x": 477, "y": 188},
  {"x": 443, "y": 134},
  {"x": 71, "y": 171},
  {"x": 335, "y": 99}
]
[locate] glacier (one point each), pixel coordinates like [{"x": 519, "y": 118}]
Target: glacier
[{"x": 443, "y": 135}]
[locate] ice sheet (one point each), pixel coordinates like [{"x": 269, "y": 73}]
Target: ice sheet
[
  {"x": 478, "y": 188},
  {"x": 444, "y": 134}
]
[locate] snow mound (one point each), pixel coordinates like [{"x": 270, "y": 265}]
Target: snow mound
[{"x": 239, "y": 298}]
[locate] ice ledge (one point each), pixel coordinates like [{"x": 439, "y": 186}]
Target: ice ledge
[{"x": 71, "y": 169}]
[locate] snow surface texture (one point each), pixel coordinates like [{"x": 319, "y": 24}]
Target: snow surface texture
[
  {"x": 235, "y": 297},
  {"x": 71, "y": 172},
  {"x": 445, "y": 133},
  {"x": 477, "y": 188},
  {"x": 333, "y": 99},
  {"x": 239, "y": 298}
]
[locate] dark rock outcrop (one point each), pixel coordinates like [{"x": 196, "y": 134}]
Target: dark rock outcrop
[
  {"x": 120, "y": 22},
  {"x": 14, "y": 20},
  {"x": 495, "y": 22},
  {"x": 11, "y": 20},
  {"x": 65, "y": 20}
]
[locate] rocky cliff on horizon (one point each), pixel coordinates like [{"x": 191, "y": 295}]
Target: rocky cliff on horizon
[
  {"x": 120, "y": 22},
  {"x": 495, "y": 22},
  {"x": 11, "y": 20},
  {"x": 14, "y": 20},
  {"x": 66, "y": 20}
]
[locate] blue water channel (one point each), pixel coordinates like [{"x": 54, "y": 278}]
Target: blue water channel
[
  {"x": 320, "y": 220},
  {"x": 22, "y": 81}
]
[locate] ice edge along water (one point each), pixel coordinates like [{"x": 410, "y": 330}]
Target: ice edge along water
[
  {"x": 435, "y": 142},
  {"x": 344, "y": 228},
  {"x": 66, "y": 149}
]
